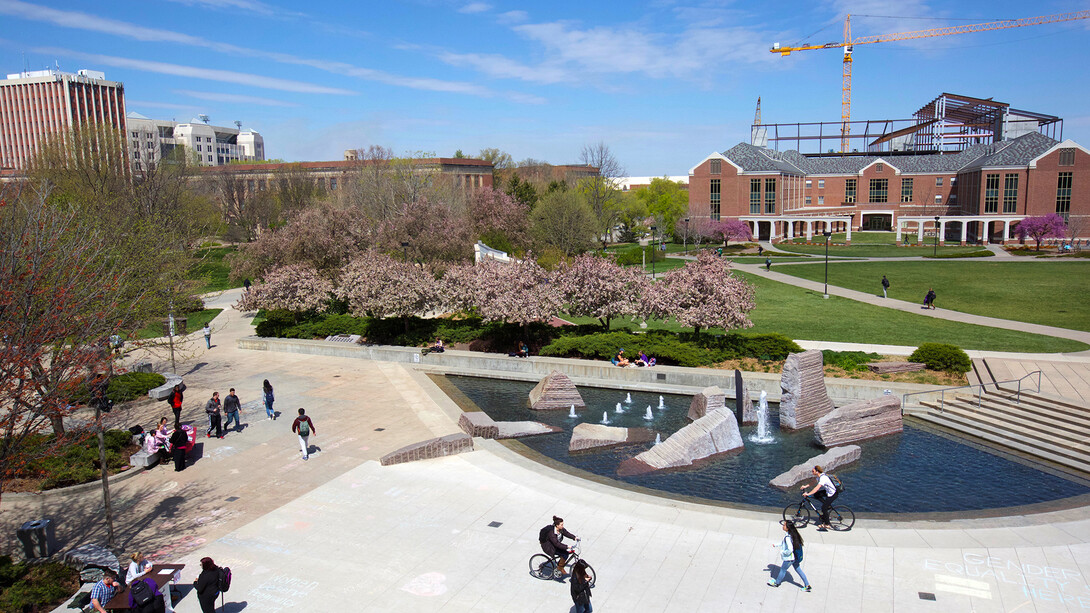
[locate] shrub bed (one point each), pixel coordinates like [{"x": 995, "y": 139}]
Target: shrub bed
[
  {"x": 76, "y": 463},
  {"x": 983, "y": 253},
  {"x": 939, "y": 356},
  {"x": 675, "y": 349},
  {"x": 35, "y": 587},
  {"x": 848, "y": 361}
]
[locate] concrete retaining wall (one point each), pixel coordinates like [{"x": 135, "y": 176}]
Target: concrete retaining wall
[{"x": 665, "y": 379}]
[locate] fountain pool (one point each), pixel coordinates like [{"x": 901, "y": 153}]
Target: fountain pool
[{"x": 917, "y": 471}]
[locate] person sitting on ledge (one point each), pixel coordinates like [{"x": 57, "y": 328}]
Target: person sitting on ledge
[
  {"x": 620, "y": 360},
  {"x": 437, "y": 347},
  {"x": 643, "y": 360},
  {"x": 524, "y": 351}
]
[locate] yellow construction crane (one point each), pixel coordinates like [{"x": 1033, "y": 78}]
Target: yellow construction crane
[{"x": 849, "y": 43}]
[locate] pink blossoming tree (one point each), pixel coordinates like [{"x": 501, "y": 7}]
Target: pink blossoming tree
[
  {"x": 377, "y": 285},
  {"x": 593, "y": 286},
  {"x": 1040, "y": 228},
  {"x": 295, "y": 287},
  {"x": 518, "y": 292},
  {"x": 499, "y": 220},
  {"x": 703, "y": 294}
]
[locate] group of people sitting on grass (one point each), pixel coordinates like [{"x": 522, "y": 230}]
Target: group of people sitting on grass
[{"x": 640, "y": 361}]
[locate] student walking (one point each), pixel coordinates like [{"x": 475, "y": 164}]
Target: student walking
[
  {"x": 885, "y": 286},
  {"x": 304, "y": 428},
  {"x": 580, "y": 588},
  {"x": 208, "y": 336},
  {"x": 175, "y": 400},
  {"x": 929, "y": 299},
  {"x": 267, "y": 390},
  {"x": 790, "y": 555},
  {"x": 212, "y": 408},
  {"x": 179, "y": 440},
  {"x": 768, "y": 263},
  {"x": 231, "y": 406}
]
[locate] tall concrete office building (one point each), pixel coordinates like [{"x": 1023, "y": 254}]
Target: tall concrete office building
[
  {"x": 38, "y": 103},
  {"x": 152, "y": 139}
]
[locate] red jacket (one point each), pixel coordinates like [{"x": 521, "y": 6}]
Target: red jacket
[{"x": 298, "y": 420}]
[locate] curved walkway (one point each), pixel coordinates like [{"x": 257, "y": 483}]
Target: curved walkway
[{"x": 341, "y": 533}]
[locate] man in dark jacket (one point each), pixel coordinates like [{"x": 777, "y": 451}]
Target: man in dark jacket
[
  {"x": 212, "y": 408},
  {"x": 231, "y": 407},
  {"x": 304, "y": 428}
]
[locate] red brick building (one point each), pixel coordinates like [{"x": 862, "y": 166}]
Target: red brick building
[{"x": 976, "y": 194}]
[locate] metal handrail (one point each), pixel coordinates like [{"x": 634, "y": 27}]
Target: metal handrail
[{"x": 979, "y": 393}]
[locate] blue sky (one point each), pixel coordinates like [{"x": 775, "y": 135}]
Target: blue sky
[{"x": 663, "y": 83}]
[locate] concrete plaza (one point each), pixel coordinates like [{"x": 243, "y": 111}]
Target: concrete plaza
[{"x": 342, "y": 533}]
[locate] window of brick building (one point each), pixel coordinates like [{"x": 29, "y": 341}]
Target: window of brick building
[
  {"x": 906, "y": 189},
  {"x": 770, "y": 196},
  {"x": 809, "y": 183},
  {"x": 808, "y": 201},
  {"x": 333, "y": 184},
  {"x": 754, "y": 196},
  {"x": 991, "y": 193},
  {"x": 713, "y": 199},
  {"x": 715, "y": 167},
  {"x": 821, "y": 199},
  {"x": 879, "y": 167},
  {"x": 1010, "y": 193},
  {"x": 938, "y": 198},
  {"x": 1063, "y": 194},
  {"x": 879, "y": 190},
  {"x": 849, "y": 191},
  {"x": 1067, "y": 157},
  {"x": 938, "y": 181},
  {"x": 821, "y": 183}
]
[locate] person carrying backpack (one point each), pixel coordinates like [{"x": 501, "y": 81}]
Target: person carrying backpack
[
  {"x": 145, "y": 597},
  {"x": 885, "y": 286},
  {"x": 825, "y": 491},
  {"x": 791, "y": 555},
  {"x": 208, "y": 585},
  {"x": 304, "y": 428}
]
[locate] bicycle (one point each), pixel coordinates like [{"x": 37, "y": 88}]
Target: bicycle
[
  {"x": 545, "y": 567},
  {"x": 841, "y": 517}
]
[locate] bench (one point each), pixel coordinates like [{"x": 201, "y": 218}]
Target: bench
[{"x": 884, "y": 368}]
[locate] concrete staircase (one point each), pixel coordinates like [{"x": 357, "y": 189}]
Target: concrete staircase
[{"x": 1053, "y": 430}]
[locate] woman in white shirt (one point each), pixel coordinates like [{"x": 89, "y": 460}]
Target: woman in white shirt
[
  {"x": 825, "y": 491},
  {"x": 138, "y": 568}
]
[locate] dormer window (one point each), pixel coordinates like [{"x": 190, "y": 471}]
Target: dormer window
[{"x": 879, "y": 167}]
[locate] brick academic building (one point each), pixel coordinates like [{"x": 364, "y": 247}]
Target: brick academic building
[{"x": 974, "y": 190}]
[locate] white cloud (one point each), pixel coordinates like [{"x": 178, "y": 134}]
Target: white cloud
[
  {"x": 250, "y": 6},
  {"x": 475, "y": 7},
  {"x": 233, "y": 98},
  {"x": 131, "y": 104},
  {"x": 85, "y": 21},
  {"x": 513, "y": 17},
  {"x": 210, "y": 74}
]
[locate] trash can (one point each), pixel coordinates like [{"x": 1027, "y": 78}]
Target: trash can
[{"x": 38, "y": 538}]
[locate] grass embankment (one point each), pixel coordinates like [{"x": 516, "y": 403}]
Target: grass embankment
[
  {"x": 212, "y": 270},
  {"x": 1042, "y": 292},
  {"x": 804, "y": 315},
  {"x": 194, "y": 322}
]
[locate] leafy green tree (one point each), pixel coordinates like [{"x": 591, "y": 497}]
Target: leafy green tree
[
  {"x": 666, "y": 201},
  {"x": 520, "y": 190},
  {"x": 563, "y": 221}
]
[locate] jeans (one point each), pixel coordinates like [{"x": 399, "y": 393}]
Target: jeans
[
  {"x": 208, "y": 340},
  {"x": 583, "y": 608},
  {"x": 304, "y": 445},
  {"x": 795, "y": 563},
  {"x": 269, "y": 409},
  {"x": 233, "y": 415}
]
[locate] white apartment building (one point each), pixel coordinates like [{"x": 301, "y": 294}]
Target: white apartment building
[{"x": 151, "y": 139}]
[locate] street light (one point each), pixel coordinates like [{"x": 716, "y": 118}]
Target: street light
[
  {"x": 685, "y": 238},
  {"x": 936, "y": 235},
  {"x": 827, "y": 234},
  {"x": 404, "y": 251},
  {"x": 652, "y": 243}
]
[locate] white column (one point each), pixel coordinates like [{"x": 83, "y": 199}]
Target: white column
[
  {"x": 790, "y": 229},
  {"x": 1006, "y": 231},
  {"x": 941, "y": 236},
  {"x": 809, "y": 231},
  {"x": 848, "y": 223},
  {"x": 897, "y": 224},
  {"x": 919, "y": 232},
  {"x": 964, "y": 231}
]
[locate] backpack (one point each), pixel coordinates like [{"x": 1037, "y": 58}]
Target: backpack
[
  {"x": 224, "y": 582},
  {"x": 543, "y": 534},
  {"x": 304, "y": 428},
  {"x": 142, "y": 595},
  {"x": 837, "y": 483}
]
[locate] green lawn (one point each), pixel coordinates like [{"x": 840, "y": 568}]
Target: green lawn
[
  {"x": 805, "y": 315},
  {"x": 1041, "y": 292},
  {"x": 212, "y": 270},
  {"x": 194, "y": 321},
  {"x": 775, "y": 260},
  {"x": 874, "y": 251}
]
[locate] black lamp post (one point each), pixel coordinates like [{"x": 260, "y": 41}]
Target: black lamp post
[
  {"x": 827, "y": 234},
  {"x": 685, "y": 238},
  {"x": 936, "y": 235},
  {"x": 404, "y": 251},
  {"x": 653, "y": 252}
]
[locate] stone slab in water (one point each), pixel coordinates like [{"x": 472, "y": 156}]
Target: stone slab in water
[
  {"x": 709, "y": 399},
  {"x": 556, "y": 391},
  {"x": 517, "y": 429},
  {"x": 829, "y": 461},
  {"x": 714, "y": 434},
  {"x": 860, "y": 421},
  {"x": 597, "y": 436},
  {"x": 804, "y": 399},
  {"x": 478, "y": 423},
  {"x": 749, "y": 410},
  {"x": 432, "y": 448}
]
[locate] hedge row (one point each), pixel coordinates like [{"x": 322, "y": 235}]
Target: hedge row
[
  {"x": 676, "y": 349},
  {"x": 78, "y": 463}
]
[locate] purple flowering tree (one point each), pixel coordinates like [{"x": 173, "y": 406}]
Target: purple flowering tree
[
  {"x": 735, "y": 229},
  {"x": 593, "y": 286},
  {"x": 295, "y": 287},
  {"x": 517, "y": 292},
  {"x": 375, "y": 284},
  {"x": 703, "y": 294},
  {"x": 1039, "y": 228}
]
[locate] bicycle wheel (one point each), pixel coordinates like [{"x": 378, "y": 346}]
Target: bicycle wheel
[
  {"x": 590, "y": 575},
  {"x": 541, "y": 566},
  {"x": 798, "y": 514},
  {"x": 841, "y": 518}
]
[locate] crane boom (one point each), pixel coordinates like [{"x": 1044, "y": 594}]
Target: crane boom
[{"x": 848, "y": 44}]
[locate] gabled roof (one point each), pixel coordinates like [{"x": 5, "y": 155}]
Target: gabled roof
[{"x": 1015, "y": 152}]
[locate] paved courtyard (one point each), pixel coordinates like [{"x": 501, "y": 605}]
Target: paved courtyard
[{"x": 342, "y": 533}]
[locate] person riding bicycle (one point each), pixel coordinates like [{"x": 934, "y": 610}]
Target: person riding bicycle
[
  {"x": 826, "y": 492},
  {"x": 551, "y": 539}
]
